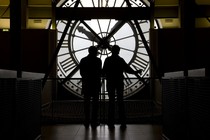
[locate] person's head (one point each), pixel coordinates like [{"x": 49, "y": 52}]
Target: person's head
[
  {"x": 115, "y": 50},
  {"x": 92, "y": 50}
]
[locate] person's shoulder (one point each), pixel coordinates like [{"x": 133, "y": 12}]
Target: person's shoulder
[
  {"x": 123, "y": 59},
  {"x": 108, "y": 58},
  {"x": 83, "y": 58},
  {"x": 119, "y": 58},
  {"x": 98, "y": 59}
]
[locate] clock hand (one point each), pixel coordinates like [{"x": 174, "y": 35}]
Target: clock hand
[
  {"x": 104, "y": 42},
  {"x": 90, "y": 35},
  {"x": 115, "y": 28},
  {"x": 94, "y": 35}
]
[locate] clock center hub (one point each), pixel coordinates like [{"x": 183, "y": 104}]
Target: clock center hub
[{"x": 105, "y": 44}]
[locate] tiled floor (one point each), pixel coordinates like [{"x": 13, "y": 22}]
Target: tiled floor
[{"x": 102, "y": 132}]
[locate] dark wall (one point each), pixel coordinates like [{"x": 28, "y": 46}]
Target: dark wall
[
  {"x": 35, "y": 50},
  {"x": 172, "y": 49},
  {"x": 37, "y": 46},
  {"x": 5, "y": 56}
]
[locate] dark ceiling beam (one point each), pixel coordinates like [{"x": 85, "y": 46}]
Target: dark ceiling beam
[
  {"x": 103, "y": 13},
  {"x": 160, "y": 12},
  {"x": 121, "y": 13}
]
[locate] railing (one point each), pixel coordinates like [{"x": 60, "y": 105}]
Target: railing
[
  {"x": 72, "y": 110},
  {"x": 74, "y": 85}
]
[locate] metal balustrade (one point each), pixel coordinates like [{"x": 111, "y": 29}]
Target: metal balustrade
[{"x": 138, "y": 110}]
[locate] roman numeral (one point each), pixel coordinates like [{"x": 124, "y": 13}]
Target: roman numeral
[
  {"x": 64, "y": 44},
  {"x": 127, "y": 80},
  {"x": 79, "y": 82},
  {"x": 67, "y": 63},
  {"x": 140, "y": 63},
  {"x": 141, "y": 44},
  {"x": 143, "y": 21}
]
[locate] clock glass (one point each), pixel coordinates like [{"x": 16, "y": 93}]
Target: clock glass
[{"x": 103, "y": 33}]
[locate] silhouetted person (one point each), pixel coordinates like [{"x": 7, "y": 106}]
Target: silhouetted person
[
  {"x": 90, "y": 70},
  {"x": 113, "y": 69}
]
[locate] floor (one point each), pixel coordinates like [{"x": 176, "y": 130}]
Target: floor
[{"x": 102, "y": 132}]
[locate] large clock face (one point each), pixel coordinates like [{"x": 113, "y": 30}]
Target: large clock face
[{"x": 103, "y": 33}]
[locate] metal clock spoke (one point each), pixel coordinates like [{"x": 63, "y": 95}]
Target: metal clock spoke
[
  {"x": 129, "y": 50},
  {"x": 99, "y": 26},
  {"x": 86, "y": 48},
  {"x": 126, "y": 37},
  {"x": 89, "y": 37},
  {"x": 108, "y": 27},
  {"x": 115, "y": 28}
]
